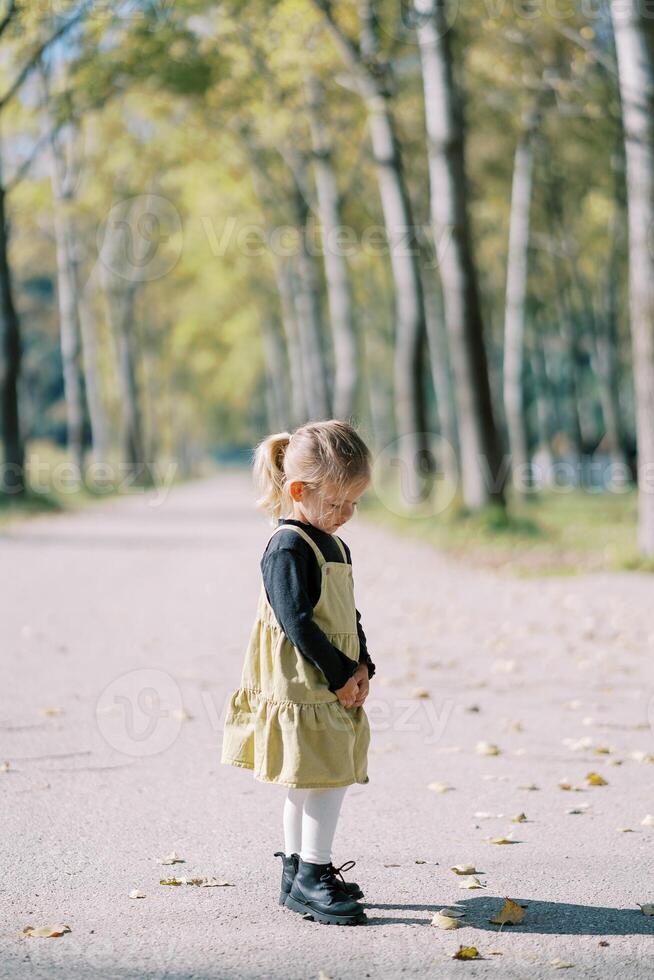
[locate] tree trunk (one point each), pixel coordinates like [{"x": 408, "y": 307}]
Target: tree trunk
[
  {"x": 277, "y": 372},
  {"x": 481, "y": 453},
  {"x": 309, "y": 315},
  {"x": 346, "y": 352},
  {"x": 92, "y": 376},
  {"x": 120, "y": 304},
  {"x": 284, "y": 278},
  {"x": 440, "y": 370},
  {"x": 545, "y": 420},
  {"x": 286, "y": 291},
  {"x": 13, "y": 481},
  {"x": 516, "y": 297},
  {"x": 371, "y": 77},
  {"x": 634, "y": 38},
  {"x": 410, "y": 324},
  {"x": 121, "y": 296},
  {"x": 67, "y": 294}
]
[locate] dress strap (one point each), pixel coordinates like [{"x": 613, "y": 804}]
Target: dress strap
[
  {"x": 341, "y": 547},
  {"x": 303, "y": 534}
]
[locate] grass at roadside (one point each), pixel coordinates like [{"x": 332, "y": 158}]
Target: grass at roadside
[{"x": 550, "y": 533}]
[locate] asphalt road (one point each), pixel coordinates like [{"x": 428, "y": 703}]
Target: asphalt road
[{"x": 122, "y": 636}]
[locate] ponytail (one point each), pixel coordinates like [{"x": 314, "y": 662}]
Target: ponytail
[{"x": 269, "y": 475}]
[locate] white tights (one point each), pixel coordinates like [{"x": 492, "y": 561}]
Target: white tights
[{"x": 310, "y": 818}]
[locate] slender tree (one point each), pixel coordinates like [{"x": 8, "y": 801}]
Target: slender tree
[
  {"x": 516, "y": 297},
  {"x": 634, "y": 38},
  {"x": 481, "y": 454},
  {"x": 62, "y": 158},
  {"x": 372, "y": 77},
  {"x": 346, "y": 352}
]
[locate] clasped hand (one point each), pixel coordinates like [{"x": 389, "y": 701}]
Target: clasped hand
[{"x": 355, "y": 691}]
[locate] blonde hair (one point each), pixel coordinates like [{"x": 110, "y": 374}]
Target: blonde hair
[{"x": 316, "y": 453}]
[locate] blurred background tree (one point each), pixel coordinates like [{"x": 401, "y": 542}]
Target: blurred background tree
[{"x": 225, "y": 218}]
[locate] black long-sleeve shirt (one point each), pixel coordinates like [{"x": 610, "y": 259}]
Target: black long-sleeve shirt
[{"x": 292, "y": 580}]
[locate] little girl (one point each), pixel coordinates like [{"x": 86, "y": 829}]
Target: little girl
[{"x": 298, "y": 718}]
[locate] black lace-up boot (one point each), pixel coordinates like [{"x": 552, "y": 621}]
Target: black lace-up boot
[
  {"x": 289, "y": 870},
  {"x": 318, "y": 893}
]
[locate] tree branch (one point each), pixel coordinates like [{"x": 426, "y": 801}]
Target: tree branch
[
  {"x": 12, "y": 10},
  {"x": 31, "y": 64},
  {"x": 349, "y": 49}
]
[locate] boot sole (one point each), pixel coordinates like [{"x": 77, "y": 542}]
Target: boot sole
[
  {"x": 356, "y": 896},
  {"x": 336, "y": 920}
]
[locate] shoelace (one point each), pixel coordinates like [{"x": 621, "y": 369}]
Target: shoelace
[{"x": 344, "y": 867}]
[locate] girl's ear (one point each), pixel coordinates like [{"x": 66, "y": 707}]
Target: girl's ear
[{"x": 296, "y": 488}]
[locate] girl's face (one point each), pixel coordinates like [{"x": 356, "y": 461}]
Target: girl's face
[{"x": 326, "y": 507}]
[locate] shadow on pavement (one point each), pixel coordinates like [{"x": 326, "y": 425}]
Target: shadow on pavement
[{"x": 544, "y": 918}]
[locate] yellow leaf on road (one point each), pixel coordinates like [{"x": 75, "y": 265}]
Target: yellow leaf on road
[
  {"x": 46, "y": 932},
  {"x": 471, "y": 881},
  {"x": 511, "y": 914},
  {"x": 487, "y": 748},
  {"x": 466, "y": 953},
  {"x": 445, "y": 921},
  {"x": 594, "y": 779},
  {"x": 440, "y": 787},
  {"x": 172, "y": 858},
  {"x": 464, "y": 869}
]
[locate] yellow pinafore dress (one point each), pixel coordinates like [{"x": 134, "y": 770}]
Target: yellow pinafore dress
[{"x": 283, "y": 721}]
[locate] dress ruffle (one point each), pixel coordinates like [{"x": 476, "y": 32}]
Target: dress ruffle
[{"x": 298, "y": 744}]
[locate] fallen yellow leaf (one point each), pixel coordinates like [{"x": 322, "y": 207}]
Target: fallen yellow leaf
[
  {"x": 440, "y": 787},
  {"x": 464, "y": 869},
  {"x": 466, "y": 953},
  {"x": 181, "y": 714},
  {"x": 46, "y": 932},
  {"x": 511, "y": 914},
  {"x": 445, "y": 921},
  {"x": 172, "y": 858},
  {"x": 502, "y": 840},
  {"x": 594, "y": 779},
  {"x": 470, "y": 881},
  {"x": 519, "y": 818},
  {"x": 487, "y": 748},
  {"x": 560, "y": 964}
]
